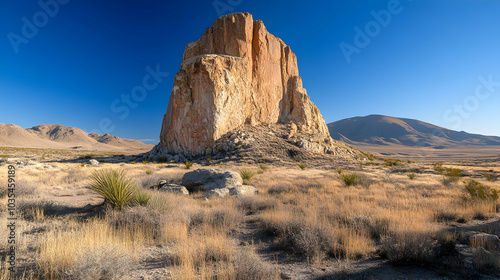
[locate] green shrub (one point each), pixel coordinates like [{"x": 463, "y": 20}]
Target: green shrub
[
  {"x": 438, "y": 166},
  {"x": 477, "y": 191},
  {"x": 188, "y": 164},
  {"x": 246, "y": 175},
  {"x": 411, "y": 175},
  {"x": 453, "y": 174},
  {"x": 162, "y": 159},
  {"x": 87, "y": 156},
  {"x": 148, "y": 171},
  {"x": 142, "y": 198},
  {"x": 488, "y": 176},
  {"x": 113, "y": 186},
  {"x": 263, "y": 167},
  {"x": 302, "y": 166},
  {"x": 339, "y": 170},
  {"x": 350, "y": 179},
  {"x": 392, "y": 162}
]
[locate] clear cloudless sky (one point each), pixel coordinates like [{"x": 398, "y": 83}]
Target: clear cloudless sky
[{"x": 425, "y": 63}]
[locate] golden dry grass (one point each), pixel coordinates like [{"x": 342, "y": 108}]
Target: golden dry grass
[{"x": 309, "y": 213}]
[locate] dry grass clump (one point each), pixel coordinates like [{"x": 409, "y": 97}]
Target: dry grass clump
[
  {"x": 224, "y": 219},
  {"x": 35, "y": 209},
  {"x": 248, "y": 266},
  {"x": 74, "y": 175},
  {"x": 486, "y": 261},
  {"x": 95, "y": 248},
  {"x": 254, "y": 204},
  {"x": 408, "y": 248},
  {"x": 305, "y": 235},
  {"x": 136, "y": 218}
]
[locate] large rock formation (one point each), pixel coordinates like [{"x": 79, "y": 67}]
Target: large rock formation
[{"x": 236, "y": 73}]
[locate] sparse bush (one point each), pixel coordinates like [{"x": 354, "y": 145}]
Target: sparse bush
[
  {"x": 74, "y": 176},
  {"x": 438, "y": 166},
  {"x": 87, "y": 156},
  {"x": 113, "y": 186},
  {"x": 486, "y": 261},
  {"x": 350, "y": 179},
  {"x": 281, "y": 189},
  {"x": 248, "y": 266},
  {"x": 148, "y": 171},
  {"x": 477, "y": 191},
  {"x": 408, "y": 248},
  {"x": 392, "y": 162},
  {"x": 302, "y": 166},
  {"x": 246, "y": 175},
  {"x": 103, "y": 262},
  {"x": 31, "y": 209},
  {"x": 339, "y": 170},
  {"x": 488, "y": 176},
  {"x": 163, "y": 159},
  {"x": 222, "y": 219},
  {"x": 188, "y": 164},
  {"x": 142, "y": 198},
  {"x": 141, "y": 218},
  {"x": 263, "y": 167},
  {"x": 411, "y": 175},
  {"x": 453, "y": 174},
  {"x": 254, "y": 204}
]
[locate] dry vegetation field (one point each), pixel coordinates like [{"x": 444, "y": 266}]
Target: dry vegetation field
[{"x": 371, "y": 220}]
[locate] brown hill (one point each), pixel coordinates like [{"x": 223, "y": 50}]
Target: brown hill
[
  {"x": 53, "y": 136},
  {"x": 411, "y": 138},
  {"x": 384, "y": 130}
]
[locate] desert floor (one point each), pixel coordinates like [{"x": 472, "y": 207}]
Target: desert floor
[{"x": 373, "y": 219}]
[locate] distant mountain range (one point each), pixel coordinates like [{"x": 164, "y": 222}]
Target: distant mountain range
[
  {"x": 54, "y": 136},
  {"x": 384, "y": 131}
]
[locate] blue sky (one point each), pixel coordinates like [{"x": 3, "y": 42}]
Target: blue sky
[{"x": 436, "y": 61}]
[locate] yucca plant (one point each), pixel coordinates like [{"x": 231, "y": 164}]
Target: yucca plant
[
  {"x": 246, "y": 175},
  {"x": 114, "y": 186}
]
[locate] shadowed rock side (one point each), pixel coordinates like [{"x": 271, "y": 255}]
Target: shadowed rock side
[{"x": 236, "y": 73}]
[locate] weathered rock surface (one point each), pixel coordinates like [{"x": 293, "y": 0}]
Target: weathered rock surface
[
  {"x": 490, "y": 242},
  {"x": 210, "y": 179},
  {"x": 217, "y": 183},
  {"x": 243, "y": 191},
  {"x": 174, "y": 188},
  {"x": 236, "y": 73}
]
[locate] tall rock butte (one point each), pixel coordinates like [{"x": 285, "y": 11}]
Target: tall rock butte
[{"x": 236, "y": 73}]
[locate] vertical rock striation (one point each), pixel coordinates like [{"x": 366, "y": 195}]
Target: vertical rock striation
[{"x": 236, "y": 73}]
